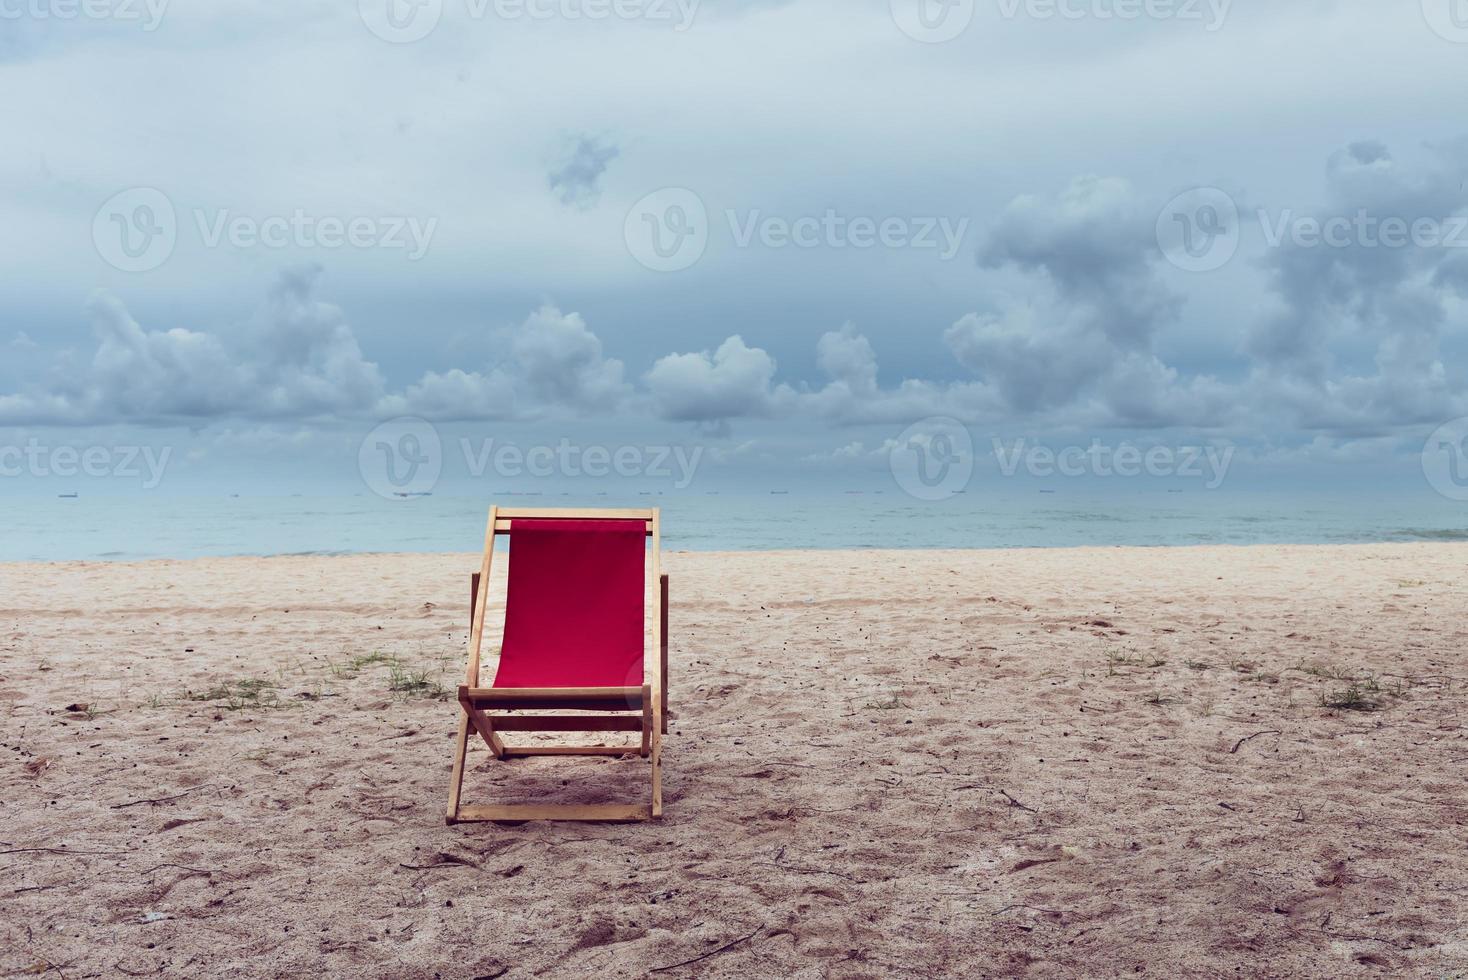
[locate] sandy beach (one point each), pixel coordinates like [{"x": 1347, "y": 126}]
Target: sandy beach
[{"x": 1104, "y": 762}]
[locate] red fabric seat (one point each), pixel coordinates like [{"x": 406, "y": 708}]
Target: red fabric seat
[{"x": 574, "y": 605}]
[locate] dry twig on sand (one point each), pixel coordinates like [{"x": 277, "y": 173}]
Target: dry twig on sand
[
  {"x": 161, "y": 799},
  {"x": 1032, "y": 908},
  {"x": 1017, "y": 803},
  {"x": 813, "y": 871},
  {"x": 56, "y": 850},
  {"x": 1240, "y": 742},
  {"x": 712, "y": 952}
]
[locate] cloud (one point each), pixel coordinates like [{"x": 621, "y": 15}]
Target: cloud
[
  {"x": 737, "y": 381},
  {"x": 305, "y": 359},
  {"x": 854, "y": 396},
  {"x": 576, "y": 180},
  {"x": 1347, "y": 340},
  {"x": 1095, "y": 243},
  {"x": 40, "y": 408},
  {"x": 137, "y": 373},
  {"x": 848, "y": 360},
  {"x": 455, "y": 396},
  {"x": 562, "y": 363},
  {"x": 295, "y": 358},
  {"x": 734, "y": 381},
  {"x": 1083, "y": 342},
  {"x": 855, "y": 455},
  {"x": 1034, "y": 359},
  {"x": 1352, "y": 338},
  {"x": 134, "y": 374}
]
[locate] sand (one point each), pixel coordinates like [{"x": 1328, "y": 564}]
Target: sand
[{"x": 1099, "y": 762}]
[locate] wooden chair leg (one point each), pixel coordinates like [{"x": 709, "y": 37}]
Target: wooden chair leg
[
  {"x": 657, "y": 762},
  {"x": 456, "y": 781}
]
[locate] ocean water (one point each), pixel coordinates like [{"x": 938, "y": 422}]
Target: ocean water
[{"x": 144, "y": 527}]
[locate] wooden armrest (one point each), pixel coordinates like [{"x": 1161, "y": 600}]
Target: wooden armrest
[{"x": 566, "y": 698}]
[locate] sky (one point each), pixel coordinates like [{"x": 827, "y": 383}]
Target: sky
[{"x": 816, "y": 241}]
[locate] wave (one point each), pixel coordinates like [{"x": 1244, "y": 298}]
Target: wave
[{"x": 1415, "y": 534}]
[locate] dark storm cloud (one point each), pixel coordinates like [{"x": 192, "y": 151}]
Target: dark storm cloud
[{"x": 576, "y": 180}]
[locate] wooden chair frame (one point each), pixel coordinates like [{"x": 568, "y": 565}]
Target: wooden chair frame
[{"x": 643, "y": 709}]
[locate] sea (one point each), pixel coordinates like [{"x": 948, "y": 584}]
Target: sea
[{"x": 134, "y": 528}]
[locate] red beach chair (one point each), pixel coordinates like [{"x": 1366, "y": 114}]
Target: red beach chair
[{"x": 574, "y": 640}]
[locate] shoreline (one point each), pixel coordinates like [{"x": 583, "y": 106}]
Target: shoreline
[{"x": 1433, "y": 542}]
